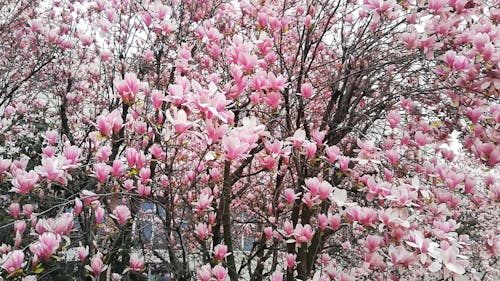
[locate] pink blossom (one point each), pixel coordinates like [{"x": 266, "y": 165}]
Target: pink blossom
[
  {"x": 364, "y": 215},
  {"x": 82, "y": 252},
  {"x": 373, "y": 242},
  {"x": 128, "y": 88},
  {"x": 145, "y": 175},
  {"x": 393, "y": 118},
  {"x": 102, "y": 171},
  {"x": 277, "y": 276},
  {"x": 220, "y": 252},
  {"x": 234, "y": 147},
  {"x": 62, "y": 224},
  {"x": 303, "y": 234},
  {"x": 306, "y": 90},
  {"x": 144, "y": 190},
  {"x": 20, "y": 226},
  {"x": 14, "y": 261},
  {"x": 96, "y": 265},
  {"x": 51, "y": 168},
  {"x": 24, "y": 182},
  {"x": 204, "y": 273},
  {"x": 392, "y": 156},
  {"x": 219, "y": 272},
  {"x": 421, "y": 139},
  {"x": 122, "y": 214},
  {"x": 310, "y": 149},
  {"x": 28, "y": 210},
  {"x": 4, "y": 164},
  {"x": 290, "y": 261},
  {"x": 14, "y": 210},
  {"x": 104, "y": 125},
  {"x": 290, "y": 196},
  {"x": 332, "y": 153},
  {"x": 452, "y": 262},
  {"x": 273, "y": 99},
  {"x": 400, "y": 256},
  {"x": 179, "y": 121},
  {"x": 202, "y": 231},
  {"x": 47, "y": 245},
  {"x": 99, "y": 214},
  {"x": 136, "y": 262},
  {"x": 344, "y": 163}
]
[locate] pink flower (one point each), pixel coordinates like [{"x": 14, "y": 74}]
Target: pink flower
[
  {"x": 201, "y": 231},
  {"x": 400, "y": 256},
  {"x": 392, "y": 156},
  {"x": 51, "y": 137},
  {"x": 144, "y": 190},
  {"x": 48, "y": 244},
  {"x": 306, "y": 90},
  {"x": 373, "y": 242},
  {"x": 234, "y": 147},
  {"x": 102, "y": 171},
  {"x": 364, "y": 215},
  {"x": 99, "y": 214},
  {"x": 72, "y": 153},
  {"x": 28, "y": 210},
  {"x": 310, "y": 149},
  {"x": 145, "y": 175},
  {"x": 117, "y": 168},
  {"x": 290, "y": 196},
  {"x": 393, "y": 118},
  {"x": 203, "y": 203},
  {"x": 96, "y": 265},
  {"x": 332, "y": 152},
  {"x": 122, "y": 214},
  {"x": 290, "y": 260},
  {"x": 460, "y": 63},
  {"x": 277, "y": 276},
  {"x": 13, "y": 261},
  {"x": 50, "y": 168},
  {"x": 421, "y": 139},
  {"x": 204, "y": 273},
  {"x": 451, "y": 261},
  {"x": 78, "y": 206},
  {"x": 273, "y": 99},
  {"x": 220, "y": 252},
  {"x": 63, "y": 224},
  {"x": 24, "y": 182},
  {"x": 325, "y": 188},
  {"x": 219, "y": 272},
  {"x": 344, "y": 163},
  {"x": 312, "y": 185},
  {"x": 4, "y": 164},
  {"x": 20, "y": 226},
  {"x": 136, "y": 262},
  {"x": 128, "y": 88},
  {"x": 303, "y": 234},
  {"x": 82, "y": 252},
  {"x": 14, "y": 210},
  {"x": 474, "y": 114},
  {"x": 104, "y": 125},
  {"x": 179, "y": 121}
]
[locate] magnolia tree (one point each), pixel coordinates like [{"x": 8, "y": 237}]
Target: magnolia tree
[{"x": 255, "y": 140}]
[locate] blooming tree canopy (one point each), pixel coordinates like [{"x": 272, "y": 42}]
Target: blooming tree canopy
[{"x": 250, "y": 140}]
